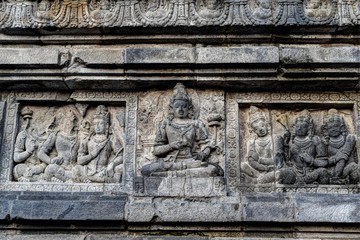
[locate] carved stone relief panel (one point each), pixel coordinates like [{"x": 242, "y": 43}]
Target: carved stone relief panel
[
  {"x": 289, "y": 143},
  {"x": 132, "y": 13},
  {"x": 80, "y": 145},
  {"x": 181, "y": 143}
]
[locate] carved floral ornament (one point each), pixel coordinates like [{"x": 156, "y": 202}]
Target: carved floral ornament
[{"x": 162, "y": 13}]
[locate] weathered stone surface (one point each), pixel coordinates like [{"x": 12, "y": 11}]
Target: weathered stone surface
[
  {"x": 248, "y": 54},
  {"x": 197, "y": 210},
  {"x": 325, "y": 208},
  {"x": 178, "y": 13},
  {"x": 163, "y": 55},
  {"x": 268, "y": 208},
  {"x": 30, "y": 56},
  {"x": 99, "y": 55},
  {"x": 43, "y": 207},
  {"x": 310, "y": 54}
]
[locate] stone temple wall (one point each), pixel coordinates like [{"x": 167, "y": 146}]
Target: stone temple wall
[{"x": 179, "y": 119}]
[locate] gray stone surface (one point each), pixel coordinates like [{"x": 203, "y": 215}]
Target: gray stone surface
[
  {"x": 311, "y": 54},
  {"x": 323, "y": 208},
  {"x": 42, "y": 206},
  {"x": 238, "y": 55}
]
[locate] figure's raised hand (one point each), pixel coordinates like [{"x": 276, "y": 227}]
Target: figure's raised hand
[{"x": 30, "y": 146}]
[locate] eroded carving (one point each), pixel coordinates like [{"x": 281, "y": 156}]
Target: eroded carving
[
  {"x": 307, "y": 152},
  {"x": 317, "y": 9},
  {"x": 317, "y": 150},
  {"x": 340, "y": 144},
  {"x": 110, "y": 13},
  {"x": 29, "y": 167},
  {"x": 182, "y": 144},
  {"x": 78, "y": 145},
  {"x": 262, "y": 9},
  {"x": 100, "y": 157}
]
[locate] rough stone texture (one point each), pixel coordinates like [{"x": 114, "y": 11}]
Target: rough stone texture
[
  {"x": 61, "y": 206},
  {"x": 251, "y": 68}
]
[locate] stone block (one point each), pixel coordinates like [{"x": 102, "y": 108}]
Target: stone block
[
  {"x": 334, "y": 208},
  {"x": 185, "y": 186},
  {"x": 156, "y": 55},
  {"x": 140, "y": 210},
  {"x": 318, "y": 54},
  {"x": 198, "y": 210},
  {"x": 29, "y": 56},
  {"x": 61, "y": 209},
  {"x": 237, "y": 55},
  {"x": 268, "y": 207},
  {"x": 99, "y": 55}
]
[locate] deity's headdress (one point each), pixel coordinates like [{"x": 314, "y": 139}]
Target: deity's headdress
[
  {"x": 304, "y": 115},
  {"x": 333, "y": 115},
  {"x": 256, "y": 114},
  {"x": 180, "y": 93},
  {"x": 101, "y": 112},
  {"x": 26, "y": 113}
]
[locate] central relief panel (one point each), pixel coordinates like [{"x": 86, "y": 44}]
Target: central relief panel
[{"x": 181, "y": 143}]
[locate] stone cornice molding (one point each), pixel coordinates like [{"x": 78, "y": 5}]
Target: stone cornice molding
[{"x": 172, "y": 13}]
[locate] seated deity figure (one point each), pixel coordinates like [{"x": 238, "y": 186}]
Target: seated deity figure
[
  {"x": 316, "y": 8},
  {"x": 182, "y": 145},
  {"x": 209, "y": 8},
  {"x": 100, "y": 156},
  {"x": 44, "y": 10},
  {"x": 340, "y": 149},
  {"x": 260, "y": 165},
  {"x": 262, "y": 9},
  {"x": 102, "y": 12},
  {"x": 155, "y": 8},
  {"x": 64, "y": 141},
  {"x": 29, "y": 167},
  {"x": 265, "y": 155},
  {"x": 307, "y": 152}
]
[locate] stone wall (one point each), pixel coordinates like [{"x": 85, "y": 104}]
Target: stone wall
[{"x": 179, "y": 119}]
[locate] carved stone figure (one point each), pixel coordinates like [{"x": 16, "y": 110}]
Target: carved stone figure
[
  {"x": 100, "y": 156},
  {"x": 29, "y": 167},
  {"x": 265, "y": 155},
  {"x": 209, "y": 8},
  {"x": 64, "y": 141},
  {"x": 101, "y": 12},
  {"x": 260, "y": 164},
  {"x": 154, "y": 8},
  {"x": 43, "y": 11},
  {"x": 182, "y": 145},
  {"x": 262, "y": 9},
  {"x": 307, "y": 152},
  {"x": 340, "y": 149},
  {"x": 316, "y": 9}
]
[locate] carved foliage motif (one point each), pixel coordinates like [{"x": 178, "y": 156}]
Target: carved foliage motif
[{"x": 111, "y": 13}]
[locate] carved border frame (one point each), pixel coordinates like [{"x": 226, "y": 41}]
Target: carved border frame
[
  {"x": 11, "y": 127},
  {"x": 233, "y": 155}
]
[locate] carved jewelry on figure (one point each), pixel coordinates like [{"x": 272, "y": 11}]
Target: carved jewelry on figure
[
  {"x": 182, "y": 145},
  {"x": 62, "y": 153},
  {"x": 340, "y": 149}
]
